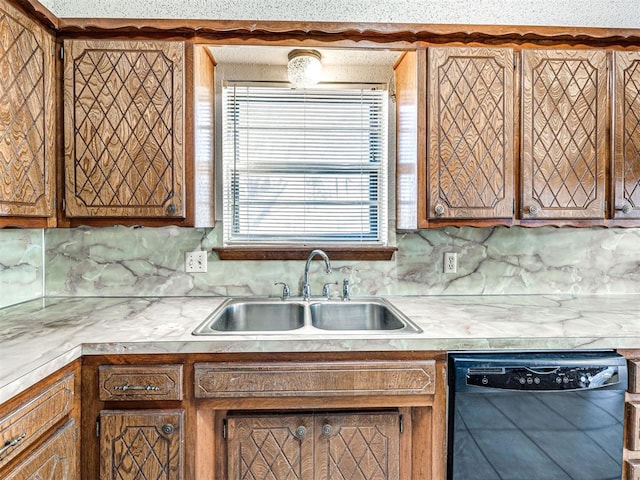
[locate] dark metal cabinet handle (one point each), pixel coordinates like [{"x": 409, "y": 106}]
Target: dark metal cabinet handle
[
  {"x": 172, "y": 209},
  {"x": 327, "y": 430},
  {"x": 534, "y": 209},
  {"x": 168, "y": 429},
  {"x": 126, "y": 386},
  {"x": 11, "y": 443},
  {"x": 301, "y": 432},
  {"x": 626, "y": 209},
  {"x": 439, "y": 209}
]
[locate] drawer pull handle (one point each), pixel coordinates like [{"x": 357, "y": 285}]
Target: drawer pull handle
[
  {"x": 301, "y": 432},
  {"x": 146, "y": 388},
  {"x": 11, "y": 443},
  {"x": 168, "y": 429}
]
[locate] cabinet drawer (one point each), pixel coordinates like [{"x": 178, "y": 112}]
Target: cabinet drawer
[
  {"x": 30, "y": 420},
  {"x": 633, "y": 469},
  {"x": 633, "y": 425},
  {"x": 140, "y": 382},
  {"x": 335, "y": 379},
  {"x": 57, "y": 458},
  {"x": 634, "y": 375}
]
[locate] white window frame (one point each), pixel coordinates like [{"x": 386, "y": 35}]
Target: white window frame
[{"x": 237, "y": 232}]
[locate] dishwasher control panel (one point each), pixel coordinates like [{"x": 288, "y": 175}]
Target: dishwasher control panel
[{"x": 542, "y": 378}]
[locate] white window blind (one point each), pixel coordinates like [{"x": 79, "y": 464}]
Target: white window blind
[{"x": 305, "y": 166}]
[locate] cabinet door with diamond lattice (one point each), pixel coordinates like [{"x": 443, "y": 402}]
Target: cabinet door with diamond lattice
[
  {"x": 357, "y": 446},
  {"x": 27, "y": 113},
  {"x": 626, "y": 163},
  {"x": 564, "y": 139},
  {"x": 470, "y": 117},
  {"x": 141, "y": 445},
  {"x": 124, "y": 129},
  {"x": 277, "y": 447}
]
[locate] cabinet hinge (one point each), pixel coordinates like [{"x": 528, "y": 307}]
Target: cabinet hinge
[
  {"x": 224, "y": 429},
  {"x": 53, "y": 50},
  {"x": 61, "y": 52},
  {"x": 64, "y": 205},
  {"x": 401, "y": 423},
  {"x": 515, "y": 60},
  {"x": 513, "y": 208},
  {"x": 98, "y": 428}
]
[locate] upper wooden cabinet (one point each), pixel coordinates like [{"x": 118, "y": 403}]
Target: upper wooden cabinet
[
  {"x": 123, "y": 120},
  {"x": 564, "y": 134},
  {"x": 27, "y": 113},
  {"x": 626, "y": 164},
  {"x": 470, "y": 122}
]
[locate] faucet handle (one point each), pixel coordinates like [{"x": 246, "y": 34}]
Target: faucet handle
[
  {"x": 326, "y": 289},
  {"x": 346, "y": 292},
  {"x": 286, "y": 292}
]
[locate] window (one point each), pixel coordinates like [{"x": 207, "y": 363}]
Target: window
[{"x": 305, "y": 166}]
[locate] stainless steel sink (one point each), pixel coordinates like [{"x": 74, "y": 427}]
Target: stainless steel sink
[
  {"x": 359, "y": 315},
  {"x": 298, "y": 317},
  {"x": 253, "y": 316}
]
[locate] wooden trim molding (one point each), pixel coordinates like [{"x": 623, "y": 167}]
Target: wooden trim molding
[
  {"x": 375, "y": 32},
  {"x": 301, "y": 253}
]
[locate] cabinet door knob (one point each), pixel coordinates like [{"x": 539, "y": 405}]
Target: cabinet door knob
[
  {"x": 327, "y": 430},
  {"x": 168, "y": 429},
  {"x": 534, "y": 209},
  {"x": 301, "y": 431},
  {"x": 626, "y": 208},
  {"x": 439, "y": 209},
  {"x": 172, "y": 209}
]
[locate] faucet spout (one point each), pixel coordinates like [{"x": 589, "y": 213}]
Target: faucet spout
[{"x": 306, "y": 289}]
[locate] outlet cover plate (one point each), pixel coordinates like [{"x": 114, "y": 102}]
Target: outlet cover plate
[
  {"x": 450, "y": 262},
  {"x": 195, "y": 262}
]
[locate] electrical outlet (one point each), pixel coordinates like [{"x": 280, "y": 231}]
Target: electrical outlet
[
  {"x": 450, "y": 262},
  {"x": 195, "y": 262}
]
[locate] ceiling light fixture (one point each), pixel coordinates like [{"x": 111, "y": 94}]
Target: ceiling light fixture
[{"x": 304, "y": 68}]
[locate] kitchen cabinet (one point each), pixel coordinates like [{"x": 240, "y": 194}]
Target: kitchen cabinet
[
  {"x": 39, "y": 432},
  {"x": 632, "y": 418},
  {"x": 626, "y": 162},
  {"x": 124, "y": 129},
  {"x": 139, "y": 438},
  {"x": 27, "y": 130},
  {"x": 564, "y": 134},
  {"x": 470, "y": 110},
  {"x": 141, "y": 444},
  {"x": 327, "y": 446}
]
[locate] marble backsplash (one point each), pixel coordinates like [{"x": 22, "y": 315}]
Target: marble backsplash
[
  {"x": 120, "y": 261},
  {"x": 21, "y": 266}
]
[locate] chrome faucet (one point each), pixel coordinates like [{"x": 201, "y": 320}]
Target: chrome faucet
[{"x": 306, "y": 289}]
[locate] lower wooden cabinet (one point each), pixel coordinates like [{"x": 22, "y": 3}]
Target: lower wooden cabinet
[
  {"x": 332, "y": 446},
  {"x": 55, "y": 459},
  {"x": 141, "y": 444}
]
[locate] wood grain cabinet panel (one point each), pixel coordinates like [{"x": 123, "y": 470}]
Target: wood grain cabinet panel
[
  {"x": 633, "y": 425},
  {"x": 26, "y": 425},
  {"x": 471, "y": 123},
  {"x": 632, "y": 468},
  {"x": 278, "y": 447},
  {"x": 140, "y": 382},
  {"x": 27, "y": 113},
  {"x": 634, "y": 375},
  {"x": 141, "y": 445},
  {"x": 363, "y": 446},
  {"x": 335, "y": 446},
  {"x": 55, "y": 459},
  {"x": 124, "y": 117},
  {"x": 564, "y": 138},
  {"x": 335, "y": 379},
  {"x": 627, "y": 135}
]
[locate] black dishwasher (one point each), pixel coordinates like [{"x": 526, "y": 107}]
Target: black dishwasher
[{"x": 536, "y": 416}]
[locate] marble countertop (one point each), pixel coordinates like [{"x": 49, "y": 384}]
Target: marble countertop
[{"x": 40, "y": 336}]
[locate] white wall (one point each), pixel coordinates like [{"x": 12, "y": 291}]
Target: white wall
[{"x": 585, "y": 13}]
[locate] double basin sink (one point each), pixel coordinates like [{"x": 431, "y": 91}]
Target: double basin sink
[{"x": 273, "y": 316}]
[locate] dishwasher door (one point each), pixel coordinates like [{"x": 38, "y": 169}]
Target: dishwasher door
[{"x": 536, "y": 416}]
